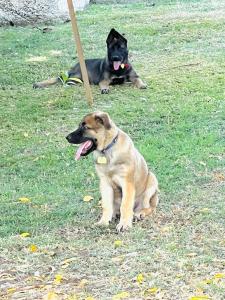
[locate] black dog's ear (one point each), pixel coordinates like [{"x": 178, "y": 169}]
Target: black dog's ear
[
  {"x": 103, "y": 119},
  {"x": 115, "y": 35}
]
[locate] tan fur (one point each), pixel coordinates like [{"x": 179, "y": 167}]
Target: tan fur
[{"x": 127, "y": 186}]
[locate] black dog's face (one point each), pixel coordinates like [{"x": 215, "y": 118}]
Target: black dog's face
[
  {"x": 117, "y": 49},
  {"x": 90, "y": 131}
]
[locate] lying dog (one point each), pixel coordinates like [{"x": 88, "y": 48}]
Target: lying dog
[
  {"x": 114, "y": 69},
  {"x": 127, "y": 187}
]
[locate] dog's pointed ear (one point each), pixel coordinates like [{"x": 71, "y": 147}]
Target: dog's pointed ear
[
  {"x": 103, "y": 119},
  {"x": 115, "y": 35}
]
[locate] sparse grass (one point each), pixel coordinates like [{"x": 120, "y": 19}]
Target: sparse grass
[{"x": 178, "y": 124}]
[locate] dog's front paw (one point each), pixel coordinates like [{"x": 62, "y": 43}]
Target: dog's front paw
[
  {"x": 123, "y": 225},
  {"x": 104, "y": 91},
  {"x": 103, "y": 222}
]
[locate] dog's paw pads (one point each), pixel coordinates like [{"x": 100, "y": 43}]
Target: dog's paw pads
[
  {"x": 35, "y": 86},
  {"x": 104, "y": 91}
]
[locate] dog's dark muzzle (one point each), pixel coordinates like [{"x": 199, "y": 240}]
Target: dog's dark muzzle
[{"x": 77, "y": 137}]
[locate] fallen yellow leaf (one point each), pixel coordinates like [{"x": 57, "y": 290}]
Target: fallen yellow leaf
[
  {"x": 199, "y": 298},
  {"x": 33, "y": 248},
  {"x": 87, "y": 198},
  {"x": 153, "y": 290},
  {"x": 207, "y": 281},
  {"x": 24, "y": 200},
  {"x": 51, "y": 296},
  {"x": 58, "y": 279},
  {"x": 11, "y": 290},
  {"x": 219, "y": 275},
  {"x": 25, "y": 234},
  {"x": 118, "y": 243},
  {"x": 122, "y": 295},
  {"x": 140, "y": 278},
  {"x": 25, "y": 134}
]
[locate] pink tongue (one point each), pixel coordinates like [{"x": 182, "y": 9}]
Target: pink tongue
[
  {"x": 116, "y": 65},
  {"x": 83, "y": 149}
]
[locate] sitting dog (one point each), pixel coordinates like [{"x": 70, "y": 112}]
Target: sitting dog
[
  {"x": 114, "y": 69},
  {"x": 127, "y": 187}
]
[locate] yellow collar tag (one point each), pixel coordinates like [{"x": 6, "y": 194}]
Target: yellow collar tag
[{"x": 102, "y": 160}]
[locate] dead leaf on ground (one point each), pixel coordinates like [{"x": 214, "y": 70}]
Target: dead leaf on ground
[
  {"x": 203, "y": 297},
  {"x": 140, "y": 278},
  {"x": 25, "y": 234},
  {"x": 87, "y": 198},
  {"x": 33, "y": 248},
  {"x": 36, "y": 59},
  {"x": 118, "y": 243},
  {"x": 24, "y": 200},
  {"x": 55, "y": 52},
  {"x": 51, "y": 296},
  {"x": 58, "y": 279},
  {"x": 122, "y": 295},
  {"x": 218, "y": 176},
  {"x": 192, "y": 254}
]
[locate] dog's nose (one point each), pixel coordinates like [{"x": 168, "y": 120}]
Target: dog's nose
[
  {"x": 68, "y": 137},
  {"x": 115, "y": 58}
]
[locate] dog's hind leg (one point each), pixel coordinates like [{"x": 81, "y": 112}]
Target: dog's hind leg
[
  {"x": 133, "y": 77},
  {"x": 150, "y": 200},
  {"x": 45, "y": 83}
]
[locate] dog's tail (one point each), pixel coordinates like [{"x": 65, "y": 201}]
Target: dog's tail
[{"x": 46, "y": 83}]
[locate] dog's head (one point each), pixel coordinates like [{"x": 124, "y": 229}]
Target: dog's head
[
  {"x": 117, "y": 49},
  {"x": 92, "y": 129}
]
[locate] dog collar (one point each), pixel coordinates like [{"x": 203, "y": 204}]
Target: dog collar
[{"x": 110, "y": 145}]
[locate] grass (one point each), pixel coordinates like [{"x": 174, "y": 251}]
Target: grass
[{"x": 177, "y": 47}]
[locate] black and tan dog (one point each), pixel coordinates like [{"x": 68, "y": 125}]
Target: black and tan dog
[
  {"x": 127, "y": 186},
  {"x": 114, "y": 69}
]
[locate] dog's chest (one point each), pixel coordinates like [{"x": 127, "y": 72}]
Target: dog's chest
[{"x": 105, "y": 165}]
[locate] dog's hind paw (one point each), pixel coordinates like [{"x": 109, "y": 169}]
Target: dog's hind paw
[
  {"x": 143, "y": 86},
  {"x": 36, "y": 86}
]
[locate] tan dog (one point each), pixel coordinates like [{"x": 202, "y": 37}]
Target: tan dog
[{"x": 127, "y": 187}]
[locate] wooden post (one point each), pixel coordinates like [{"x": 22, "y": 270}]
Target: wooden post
[{"x": 80, "y": 52}]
